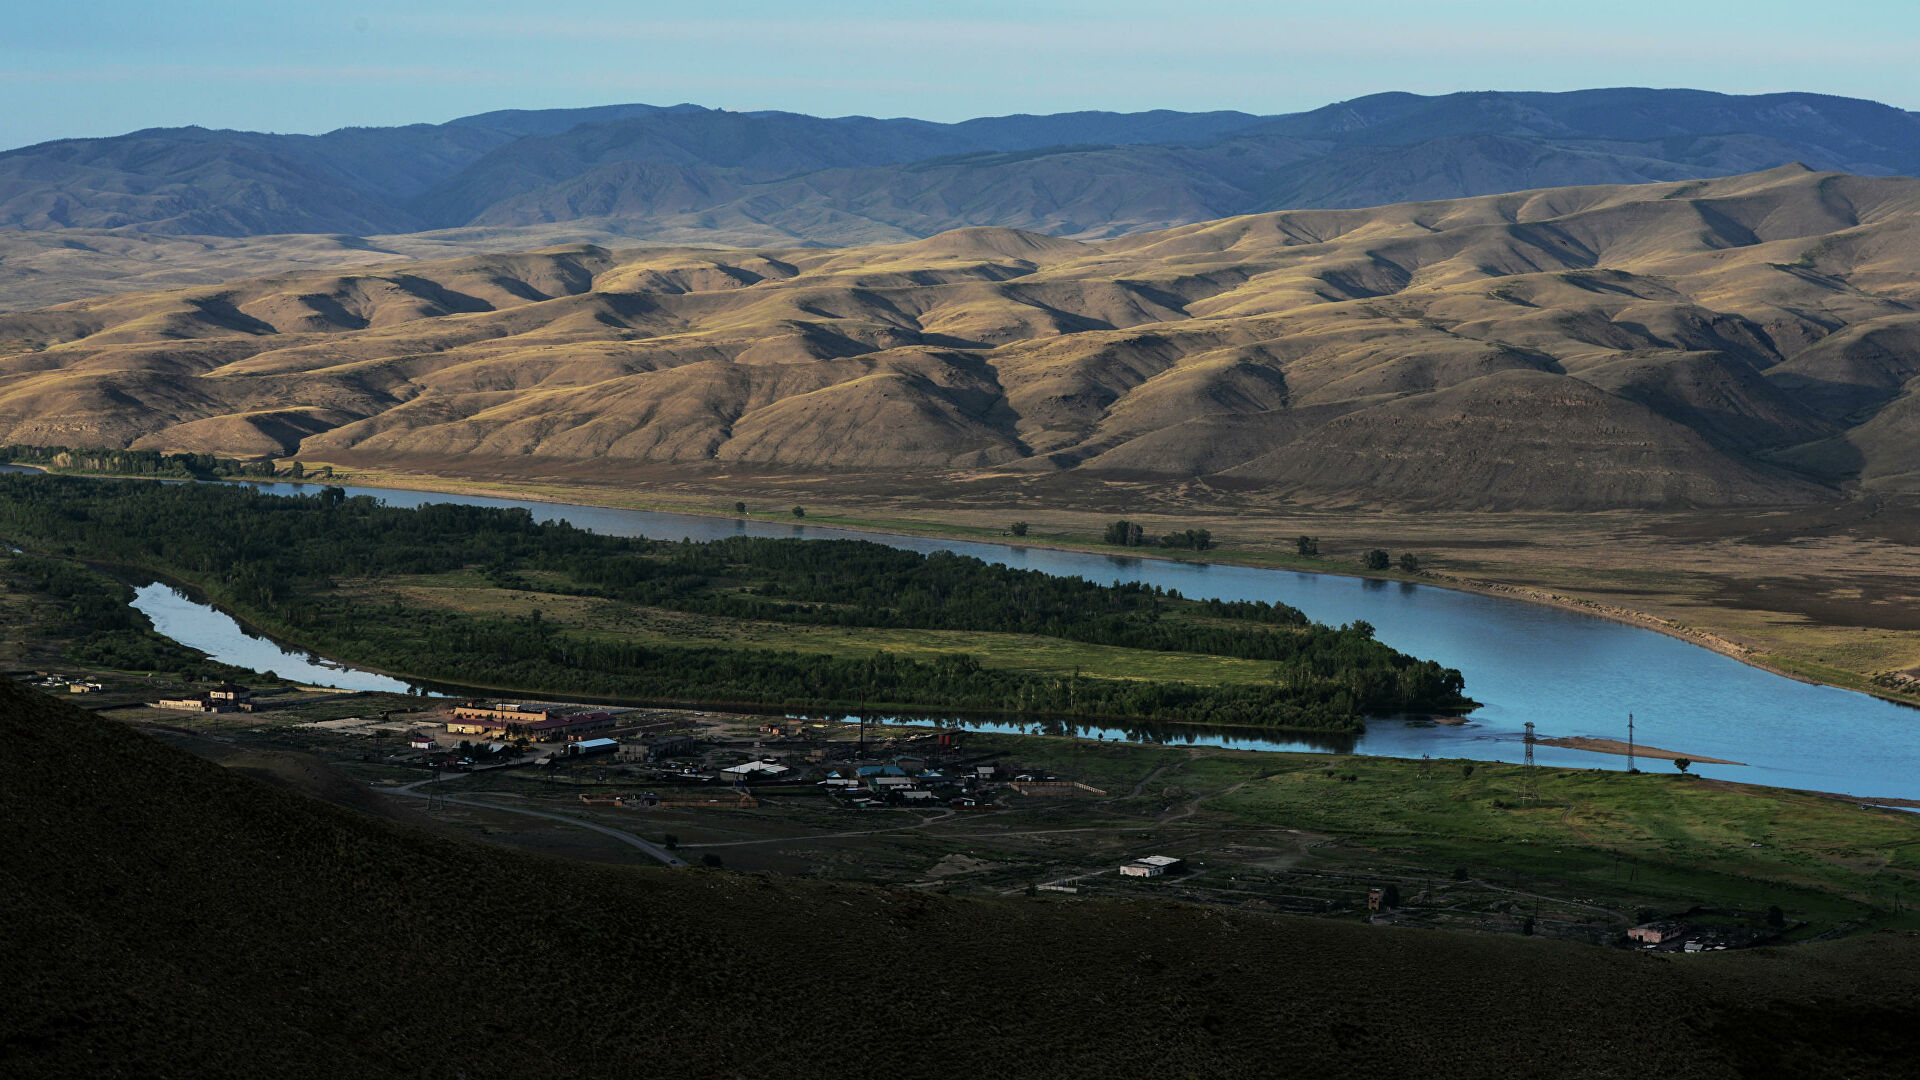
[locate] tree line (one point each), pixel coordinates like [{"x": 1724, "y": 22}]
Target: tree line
[
  {"x": 279, "y": 561},
  {"x": 1132, "y": 534}
]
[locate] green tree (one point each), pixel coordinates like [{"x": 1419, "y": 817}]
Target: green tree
[
  {"x": 1390, "y": 897},
  {"x": 296, "y": 470},
  {"x": 1019, "y": 528},
  {"x": 1308, "y": 546},
  {"x": 1466, "y": 771},
  {"x": 1683, "y": 764},
  {"x": 799, "y": 511},
  {"x": 670, "y": 841},
  {"x": 740, "y": 509},
  {"x": 1376, "y": 559},
  {"x": 1775, "y": 917},
  {"x": 1409, "y": 563},
  {"x": 710, "y": 861}
]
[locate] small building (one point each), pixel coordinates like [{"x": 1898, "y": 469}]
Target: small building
[
  {"x": 751, "y": 768},
  {"x": 421, "y": 742},
  {"x": 1659, "y": 932},
  {"x": 230, "y": 693},
  {"x": 544, "y": 720},
  {"x": 658, "y": 748},
  {"x": 891, "y": 783},
  {"x": 194, "y": 703},
  {"x": 592, "y": 746},
  {"x": 1151, "y": 866}
]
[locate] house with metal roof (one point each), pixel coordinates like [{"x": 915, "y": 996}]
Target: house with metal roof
[{"x": 1151, "y": 866}]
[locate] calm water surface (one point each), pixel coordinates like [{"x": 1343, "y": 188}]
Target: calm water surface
[
  {"x": 215, "y": 633},
  {"x": 1570, "y": 674}
]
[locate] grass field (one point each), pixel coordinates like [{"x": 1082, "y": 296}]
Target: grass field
[
  {"x": 1648, "y": 839},
  {"x": 629, "y": 622}
]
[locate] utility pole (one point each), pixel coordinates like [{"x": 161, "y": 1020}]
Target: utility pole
[
  {"x": 1526, "y": 788},
  {"x": 1630, "y": 767}
]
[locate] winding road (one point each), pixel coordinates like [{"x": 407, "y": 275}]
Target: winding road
[{"x": 655, "y": 850}]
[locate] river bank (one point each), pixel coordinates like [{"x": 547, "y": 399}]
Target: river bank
[
  {"x": 1555, "y": 589},
  {"x": 1615, "y": 746},
  {"x": 1067, "y": 530}
]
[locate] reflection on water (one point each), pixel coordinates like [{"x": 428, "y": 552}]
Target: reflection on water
[
  {"x": 213, "y": 632},
  {"x": 1570, "y": 674},
  {"x": 1150, "y": 734}
]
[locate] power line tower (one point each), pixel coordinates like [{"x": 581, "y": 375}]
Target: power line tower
[
  {"x": 1630, "y": 767},
  {"x": 435, "y": 800},
  {"x": 1526, "y": 782}
]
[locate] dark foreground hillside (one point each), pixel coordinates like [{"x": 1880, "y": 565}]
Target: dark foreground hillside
[{"x": 167, "y": 918}]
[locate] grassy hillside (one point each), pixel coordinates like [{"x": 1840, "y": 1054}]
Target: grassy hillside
[
  {"x": 1712, "y": 343},
  {"x": 170, "y": 918}
]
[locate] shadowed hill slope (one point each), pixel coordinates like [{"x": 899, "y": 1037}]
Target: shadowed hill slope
[
  {"x": 167, "y": 917},
  {"x": 1730, "y": 342}
]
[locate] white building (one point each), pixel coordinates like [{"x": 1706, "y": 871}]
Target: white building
[{"x": 1151, "y": 866}]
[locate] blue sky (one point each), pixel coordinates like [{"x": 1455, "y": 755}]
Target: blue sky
[{"x": 98, "y": 67}]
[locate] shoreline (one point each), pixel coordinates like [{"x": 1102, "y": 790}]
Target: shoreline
[
  {"x": 1433, "y": 579},
  {"x": 1596, "y": 745}
]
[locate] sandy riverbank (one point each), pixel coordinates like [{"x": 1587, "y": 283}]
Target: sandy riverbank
[{"x": 1617, "y": 746}]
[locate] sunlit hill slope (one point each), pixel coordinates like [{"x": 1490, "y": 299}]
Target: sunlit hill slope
[{"x": 1744, "y": 340}]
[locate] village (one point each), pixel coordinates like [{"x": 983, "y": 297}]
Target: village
[{"x": 946, "y": 809}]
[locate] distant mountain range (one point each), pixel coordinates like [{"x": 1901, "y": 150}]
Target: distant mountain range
[{"x": 691, "y": 174}]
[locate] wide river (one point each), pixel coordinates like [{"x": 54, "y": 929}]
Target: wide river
[{"x": 1570, "y": 674}]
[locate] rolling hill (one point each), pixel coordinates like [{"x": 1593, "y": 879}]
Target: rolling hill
[
  {"x": 1738, "y": 341},
  {"x": 168, "y": 917}
]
